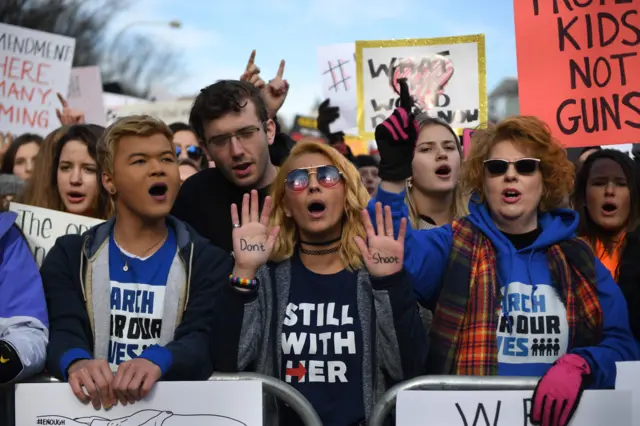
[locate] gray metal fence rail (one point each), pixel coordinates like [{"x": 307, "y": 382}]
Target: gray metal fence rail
[
  {"x": 270, "y": 385},
  {"x": 469, "y": 383}
]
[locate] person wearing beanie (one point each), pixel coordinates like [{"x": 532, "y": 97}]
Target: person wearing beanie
[
  {"x": 368, "y": 168},
  {"x": 10, "y": 186}
]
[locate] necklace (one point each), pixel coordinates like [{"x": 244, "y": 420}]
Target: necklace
[
  {"x": 125, "y": 268},
  {"x": 320, "y": 252},
  {"x": 324, "y": 243}
]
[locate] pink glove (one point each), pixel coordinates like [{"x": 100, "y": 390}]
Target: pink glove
[{"x": 558, "y": 392}]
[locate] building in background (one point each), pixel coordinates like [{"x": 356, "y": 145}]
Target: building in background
[{"x": 503, "y": 100}]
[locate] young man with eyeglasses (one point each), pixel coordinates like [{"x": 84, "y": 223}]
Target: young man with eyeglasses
[{"x": 236, "y": 123}]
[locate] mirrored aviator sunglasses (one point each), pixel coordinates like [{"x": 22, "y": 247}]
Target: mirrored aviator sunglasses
[
  {"x": 523, "y": 166},
  {"x": 298, "y": 179},
  {"x": 193, "y": 152}
]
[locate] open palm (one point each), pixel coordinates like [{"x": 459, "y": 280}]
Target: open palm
[
  {"x": 253, "y": 241},
  {"x": 382, "y": 253}
]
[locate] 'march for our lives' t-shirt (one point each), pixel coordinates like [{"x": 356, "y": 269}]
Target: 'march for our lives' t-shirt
[
  {"x": 322, "y": 345},
  {"x": 137, "y": 299}
]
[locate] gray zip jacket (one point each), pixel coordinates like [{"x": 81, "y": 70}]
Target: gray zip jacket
[{"x": 248, "y": 331}]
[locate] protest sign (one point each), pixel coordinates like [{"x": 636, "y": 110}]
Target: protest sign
[
  {"x": 446, "y": 75},
  {"x": 169, "y": 112},
  {"x": 305, "y": 128},
  {"x": 337, "y": 66},
  {"x": 34, "y": 67},
  {"x": 43, "y": 226},
  {"x": 208, "y": 403},
  {"x": 85, "y": 94},
  {"x": 579, "y": 68},
  {"x": 504, "y": 408},
  {"x": 113, "y": 102},
  {"x": 627, "y": 379}
]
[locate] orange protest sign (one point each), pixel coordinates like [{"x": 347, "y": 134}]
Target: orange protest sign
[{"x": 579, "y": 68}]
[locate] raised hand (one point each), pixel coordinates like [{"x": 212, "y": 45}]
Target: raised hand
[
  {"x": 396, "y": 138},
  {"x": 383, "y": 254},
  {"x": 68, "y": 116},
  {"x": 276, "y": 92},
  {"x": 251, "y": 73},
  {"x": 327, "y": 114},
  {"x": 252, "y": 240}
]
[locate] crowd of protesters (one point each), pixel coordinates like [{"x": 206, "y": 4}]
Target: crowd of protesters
[{"x": 235, "y": 249}]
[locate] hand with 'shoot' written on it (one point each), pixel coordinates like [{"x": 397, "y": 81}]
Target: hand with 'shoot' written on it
[{"x": 382, "y": 253}]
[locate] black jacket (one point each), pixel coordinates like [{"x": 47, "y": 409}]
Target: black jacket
[
  {"x": 64, "y": 274},
  {"x": 629, "y": 279}
]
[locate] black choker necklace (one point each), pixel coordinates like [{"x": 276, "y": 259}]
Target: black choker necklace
[
  {"x": 320, "y": 252},
  {"x": 323, "y": 243}
]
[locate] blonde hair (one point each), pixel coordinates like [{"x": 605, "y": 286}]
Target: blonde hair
[
  {"x": 356, "y": 199},
  {"x": 133, "y": 125},
  {"x": 459, "y": 206},
  {"x": 532, "y": 135}
]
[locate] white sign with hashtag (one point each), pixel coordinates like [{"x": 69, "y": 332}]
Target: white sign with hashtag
[
  {"x": 209, "y": 403},
  {"x": 337, "y": 67}
]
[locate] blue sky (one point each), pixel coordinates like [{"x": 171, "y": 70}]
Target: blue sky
[{"x": 217, "y": 36}]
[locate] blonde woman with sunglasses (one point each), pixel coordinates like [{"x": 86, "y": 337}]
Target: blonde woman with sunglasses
[{"x": 310, "y": 302}]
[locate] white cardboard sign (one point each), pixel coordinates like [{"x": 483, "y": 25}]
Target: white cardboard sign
[
  {"x": 628, "y": 379},
  {"x": 208, "y": 403},
  {"x": 42, "y": 227},
  {"x": 168, "y": 111},
  {"x": 337, "y": 68},
  {"x": 85, "y": 94},
  {"x": 504, "y": 408},
  {"x": 34, "y": 67}
]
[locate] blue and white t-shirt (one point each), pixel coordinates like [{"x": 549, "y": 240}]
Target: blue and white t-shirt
[{"x": 137, "y": 299}]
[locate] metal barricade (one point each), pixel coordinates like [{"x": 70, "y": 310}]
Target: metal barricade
[
  {"x": 465, "y": 383},
  {"x": 272, "y": 386}
]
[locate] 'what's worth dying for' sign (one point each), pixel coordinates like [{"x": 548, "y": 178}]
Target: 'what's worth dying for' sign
[{"x": 42, "y": 227}]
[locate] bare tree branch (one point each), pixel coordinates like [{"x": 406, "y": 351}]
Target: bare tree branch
[{"x": 136, "y": 63}]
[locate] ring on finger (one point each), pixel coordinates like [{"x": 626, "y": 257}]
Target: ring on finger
[{"x": 236, "y": 225}]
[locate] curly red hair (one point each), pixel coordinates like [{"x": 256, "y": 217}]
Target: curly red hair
[{"x": 532, "y": 136}]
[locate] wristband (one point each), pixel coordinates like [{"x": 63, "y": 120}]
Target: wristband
[{"x": 243, "y": 282}]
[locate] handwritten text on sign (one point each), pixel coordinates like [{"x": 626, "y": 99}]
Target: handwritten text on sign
[
  {"x": 500, "y": 408},
  {"x": 579, "y": 68},
  {"x": 34, "y": 66},
  {"x": 43, "y": 226},
  {"x": 449, "y": 73}
]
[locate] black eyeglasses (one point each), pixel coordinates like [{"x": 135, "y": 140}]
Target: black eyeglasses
[
  {"x": 298, "y": 179},
  {"x": 193, "y": 152},
  {"x": 244, "y": 134},
  {"x": 524, "y": 166}
]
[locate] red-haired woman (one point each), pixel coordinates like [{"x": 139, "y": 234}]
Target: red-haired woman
[{"x": 515, "y": 292}]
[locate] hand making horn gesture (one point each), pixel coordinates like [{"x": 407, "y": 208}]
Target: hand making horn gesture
[
  {"x": 253, "y": 241},
  {"x": 382, "y": 253},
  {"x": 275, "y": 92},
  {"x": 251, "y": 73},
  {"x": 68, "y": 116}
]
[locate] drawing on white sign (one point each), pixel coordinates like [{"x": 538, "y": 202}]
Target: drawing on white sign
[
  {"x": 447, "y": 76},
  {"x": 144, "y": 418}
]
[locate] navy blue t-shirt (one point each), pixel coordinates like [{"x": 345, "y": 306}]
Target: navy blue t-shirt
[{"x": 322, "y": 345}]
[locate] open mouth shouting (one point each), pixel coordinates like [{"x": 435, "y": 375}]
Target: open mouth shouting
[
  {"x": 242, "y": 170},
  {"x": 75, "y": 197},
  {"x": 158, "y": 191},
  {"x": 316, "y": 209},
  {"x": 511, "y": 196},
  {"x": 609, "y": 208},
  {"x": 444, "y": 171}
]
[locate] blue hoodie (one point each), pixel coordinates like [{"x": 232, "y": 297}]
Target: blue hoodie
[
  {"x": 23, "y": 309},
  {"x": 540, "y": 332}
]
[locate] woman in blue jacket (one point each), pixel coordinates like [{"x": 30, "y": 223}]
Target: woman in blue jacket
[
  {"x": 329, "y": 315},
  {"x": 515, "y": 293}
]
